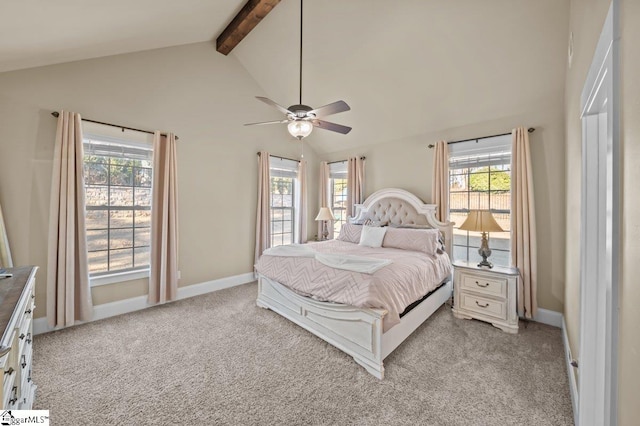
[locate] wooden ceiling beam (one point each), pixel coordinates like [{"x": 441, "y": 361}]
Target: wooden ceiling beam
[{"x": 249, "y": 16}]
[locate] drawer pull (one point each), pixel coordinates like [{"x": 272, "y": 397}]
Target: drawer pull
[
  {"x": 28, "y": 311},
  {"x": 482, "y": 306},
  {"x": 9, "y": 371},
  {"x": 33, "y": 296},
  {"x": 29, "y": 338},
  {"x": 21, "y": 337},
  {"x": 24, "y": 361},
  {"x": 13, "y": 400},
  {"x": 480, "y": 285}
]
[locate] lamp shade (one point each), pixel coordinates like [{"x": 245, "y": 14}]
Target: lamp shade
[
  {"x": 300, "y": 128},
  {"x": 481, "y": 221},
  {"x": 325, "y": 214}
]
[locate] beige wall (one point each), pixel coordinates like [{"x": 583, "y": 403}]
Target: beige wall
[
  {"x": 407, "y": 164},
  {"x": 629, "y": 368},
  {"x": 201, "y": 95}
]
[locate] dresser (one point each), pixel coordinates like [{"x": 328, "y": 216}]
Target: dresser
[
  {"x": 16, "y": 346},
  {"x": 486, "y": 294}
]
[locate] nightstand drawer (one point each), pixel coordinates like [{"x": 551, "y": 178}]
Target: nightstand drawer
[
  {"x": 493, "y": 308},
  {"x": 490, "y": 286}
]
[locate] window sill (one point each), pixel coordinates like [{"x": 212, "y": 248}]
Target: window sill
[{"x": 118, "y": 277}]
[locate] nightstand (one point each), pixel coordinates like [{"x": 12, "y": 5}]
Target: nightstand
[{"x": 486, "y": 294}]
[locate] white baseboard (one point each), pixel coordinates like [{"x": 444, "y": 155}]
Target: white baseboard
[
  {"x": 120, "y": 307},
  {"x": 573, "y": 386},
  {"x": 546, "y": 316}
]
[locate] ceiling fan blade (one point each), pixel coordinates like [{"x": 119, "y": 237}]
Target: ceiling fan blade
[
  {"x": 333, "y": 108},
  {"x": 266, "y": 122},
  {"x": 332, "y": 126},
  {"x": 275, "y": 105}
]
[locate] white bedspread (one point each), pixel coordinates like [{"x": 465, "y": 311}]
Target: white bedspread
[
  {"x": 409, "y": 277},
  {"x": 365, "y": 265}
]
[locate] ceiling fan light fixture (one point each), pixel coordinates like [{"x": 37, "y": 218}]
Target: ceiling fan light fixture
[{"x": 300, "y": 128}]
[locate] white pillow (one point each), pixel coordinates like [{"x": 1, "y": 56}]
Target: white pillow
[{"x": 372, "y": 236}]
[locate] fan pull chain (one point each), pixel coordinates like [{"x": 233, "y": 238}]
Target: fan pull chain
[{"x": 302, "y": 148}]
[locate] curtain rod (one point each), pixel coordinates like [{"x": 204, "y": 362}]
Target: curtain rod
[
  {"x": 530, "y": 130},
  {"x": 282, "y": 158},
  {"x": 57, "y": 114},
  {"x": 344, "y": 161}
]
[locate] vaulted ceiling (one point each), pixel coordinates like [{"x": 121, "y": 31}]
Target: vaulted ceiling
[{"x": 406, "y": 67}]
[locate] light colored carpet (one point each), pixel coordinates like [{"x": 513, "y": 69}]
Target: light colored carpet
[{"x": 219, "y": 359}]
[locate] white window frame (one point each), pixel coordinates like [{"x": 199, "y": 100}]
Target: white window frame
[
  {"x": 289, "y": 168},
  {"x": 337, "y": 170},
  {"x": 98, "y": 132},
  {"x": 481, "y": 147}
]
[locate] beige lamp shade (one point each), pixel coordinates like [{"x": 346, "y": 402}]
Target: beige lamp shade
[
  {"x": 481, "y": 221},
  {"x": 325, "y": 214}
]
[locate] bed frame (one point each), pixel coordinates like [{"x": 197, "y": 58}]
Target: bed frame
[{"x": 359, "y": 331}]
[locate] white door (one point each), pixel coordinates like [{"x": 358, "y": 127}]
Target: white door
[{"x": 600, "y": 234}]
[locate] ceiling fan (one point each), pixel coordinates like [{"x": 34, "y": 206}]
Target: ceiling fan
[{"x": 302, "y": 118}]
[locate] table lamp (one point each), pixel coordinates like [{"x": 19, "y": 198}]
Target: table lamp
[
  {"x": 482, "y": 221},
  {"x": 324, "y": 215}
]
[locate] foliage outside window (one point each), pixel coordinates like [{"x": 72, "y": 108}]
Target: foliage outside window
[
  {"x": 481, "y": 180},
  {"x": 118, "y": 180}
]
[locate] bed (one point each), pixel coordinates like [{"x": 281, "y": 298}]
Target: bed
[{"x": 368, "y": 334}]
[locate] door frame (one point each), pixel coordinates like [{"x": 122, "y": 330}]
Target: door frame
[{"x": 600, "y": 231}]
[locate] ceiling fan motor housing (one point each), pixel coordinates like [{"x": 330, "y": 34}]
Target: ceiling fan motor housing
[{"x": 300, "y": 111}]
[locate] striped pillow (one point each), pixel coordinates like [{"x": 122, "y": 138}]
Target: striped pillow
[
  {"x": 423, "y": 240},
  {"x": 350, "y": 233}
]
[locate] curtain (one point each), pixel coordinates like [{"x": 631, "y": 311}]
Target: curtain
[
  {"x": 523, "y": 223},
  {"x": 68, "y": 292},
  {"x": 302, "y": 210},
  {"x": 355, "y": 183},
  {"x": 440, "y": 183},
  {"x": 263, "y": 214},
  {"x": 163, "y": 280},
  {"x": 324, "y": 196}
]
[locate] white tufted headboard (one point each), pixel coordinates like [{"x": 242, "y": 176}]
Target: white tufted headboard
[{"x": 399, "y": 207}]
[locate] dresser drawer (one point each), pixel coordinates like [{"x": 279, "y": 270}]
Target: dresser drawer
[
  {"x": 481, "y": 305},
  {"x": 490, "y": 286}
]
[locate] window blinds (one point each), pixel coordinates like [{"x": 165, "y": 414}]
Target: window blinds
[
  {"x": 338, "y": 170},
  {"x": 282, "y": 167},
  {"x": 134, "y": 151},
  {"x": 480, "y": 153}
]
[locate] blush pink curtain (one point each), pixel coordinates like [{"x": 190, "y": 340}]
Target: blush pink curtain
[
  {"x": 163, "y": 280},
  {"x": 302, "y": 211},
  {"x": 440, "y": 183},
  {"x": 68, "y": 292},
  {"x": 263, "y": 213},
  {"x": 355, "y": 183},
  {"x": 324, "y": 195},
  {"x": 523, "y": 223}
]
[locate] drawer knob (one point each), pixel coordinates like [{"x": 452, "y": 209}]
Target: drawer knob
[
  {"x": 9, "y": 371},
  {"x": 482, "y": 306},
  {"x": 28, "y": 311},
  {"x": 29, "y": 338},
  {"x": 21, "y": 337},
  {"x": 480, "y": 285}
]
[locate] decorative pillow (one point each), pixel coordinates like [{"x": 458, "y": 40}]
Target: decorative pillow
[
  {"x": 372, "y": 236},
  {"x": 350, "y": 233},
  {"x": 423, "y": 240}
]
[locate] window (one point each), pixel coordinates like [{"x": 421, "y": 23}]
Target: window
[
  {"x": 338, "y": 194},
  {"x": 118, "y": 178},
  {"x": 480, "y": 178},
  {"x": 284, "y": 175}
]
